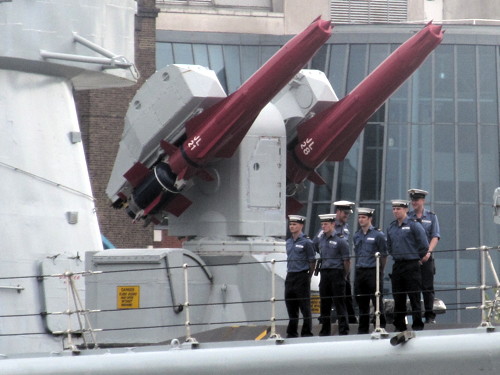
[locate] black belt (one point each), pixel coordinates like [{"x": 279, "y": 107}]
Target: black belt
[{"x": 406, "y": 260}]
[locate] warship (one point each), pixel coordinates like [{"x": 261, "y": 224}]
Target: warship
[{"x": 222, "y": 168}]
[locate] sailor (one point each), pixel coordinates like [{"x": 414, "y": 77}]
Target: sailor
[
  {"x": 335, "y": 265},
  {"x": 430, "y": 222},
  {"x": 368, "y": 241},
  {"x": 408, "y": 245},
  {"x": 343, "y": 209},
  {"x": 300, "y": 267}
]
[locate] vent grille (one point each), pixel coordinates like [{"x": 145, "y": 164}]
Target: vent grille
[{"x": 368, "y": 11}]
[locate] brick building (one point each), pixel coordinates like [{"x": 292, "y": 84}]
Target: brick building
[{"x": 101, "y": 116}]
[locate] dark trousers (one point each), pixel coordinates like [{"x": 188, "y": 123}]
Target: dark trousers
[
  {"x": 332, "y": 289},
  {"x": 428, "y": 270},
  {"x": 298, "y": 297},
  {"x": 365, "y": 283},
  {"x": 407, "y": 282}
]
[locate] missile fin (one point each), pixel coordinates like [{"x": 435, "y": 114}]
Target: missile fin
[
  {"x": 177, "y": 205},
  {"x": 153, "y": 204},
  {"x": 292, "y": 206},
  {"x": 168, "y": 147},
  {"x": 205, "y": 175},
  {"x": 136, "y": 174},
  {"x": 316, "y": 178}
]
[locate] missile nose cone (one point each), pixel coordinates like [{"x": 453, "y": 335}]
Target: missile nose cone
[
  {"x": 437, "y": 30},
  {"x": 325, "y": 25}
]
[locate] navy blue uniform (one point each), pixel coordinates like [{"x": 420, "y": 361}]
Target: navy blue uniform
[
  {"x": 365, "y": 248},
  {"x": 407, "y": 244},
  {"x": 334, "y": 250},
  {"x": 300, "y": 253},
  {"x": 430, "y": 223}
]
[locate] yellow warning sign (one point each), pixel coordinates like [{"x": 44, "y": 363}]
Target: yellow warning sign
[
  {"x": 315, "y": 304},
  {"x": 128, "y": 297}
]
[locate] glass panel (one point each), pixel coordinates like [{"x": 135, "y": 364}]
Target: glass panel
[
  {"x": 398, "y": 102},
  {"x": 183, "y": 53},
  {"x": 200, "y": 55},
  {"x": 319, "y": 59},
  {"x": 357, "y": 65},
  {"x": 371, "y": 177},
  {"x": 444, "y": 163},
  {"x": 488, "y": 171},
  {"x": 488, "y": 85},
  {"x": 378, "y": 53},
  {"x": 490, "y": 231},
  {"x": 469, "y": 298},
  {"x": 217, "y": 64},
  {"x": 164, "y": 55},
  {"x": 421, "y": 107},
  {"x": 467, "y": 164},
  {"x": 466, "y": 84},
  {"x": 249, "y": 61},
  {"x": 446, "y": 253},
  {"x": 267, "y": 52},
  {"x": 337, "y": 69},
  {"x": 348, "y": 175},
  {"x": 324, "y": 192},
  {"x": 468, "y": 235},
  {"x": 444, "y": 84},
  {"x": 421, "y": 151},
  {"x": 397, "y": 157},
  {"x": 232, "y": 64}
]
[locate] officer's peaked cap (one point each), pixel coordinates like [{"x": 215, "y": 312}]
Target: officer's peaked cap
[
  {"x": 417, "y": 193},
  {"x": 327, "y": 217},
  {"x": 399, "y": 203},
  {"x": 344, "y": 205},
  {"x": 296, "y": 219},
  {"x": 366, "y": 211}
]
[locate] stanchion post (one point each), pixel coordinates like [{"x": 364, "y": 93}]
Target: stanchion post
[{"x": 378, "y": 332}]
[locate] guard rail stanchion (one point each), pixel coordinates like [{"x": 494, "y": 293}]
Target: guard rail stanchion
[
  {"x": 485, "y": 317},
  {"x": 378, "y": 332},
  {"x": 273, "y": 334},
  {"x": 494, "y": 306},
  {"x": 186, "y": 305}
]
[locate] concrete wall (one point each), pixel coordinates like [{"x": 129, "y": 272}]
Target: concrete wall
[
  {"x": 449, "y": 10},
  {"x": 286, "y": 17},
  {"x": 466, "y": 9}
]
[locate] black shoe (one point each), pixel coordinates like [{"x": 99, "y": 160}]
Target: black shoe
[{"x": 430, "y": 321}]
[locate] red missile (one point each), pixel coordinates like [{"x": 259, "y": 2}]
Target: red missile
[
  {"x": 219, "y": 130},
  {"x": 330, "y": 134}
]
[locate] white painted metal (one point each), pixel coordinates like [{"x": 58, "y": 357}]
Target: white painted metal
[
  {"x": 470, "y": 351},
  {"x": 48, "y": 218}
]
